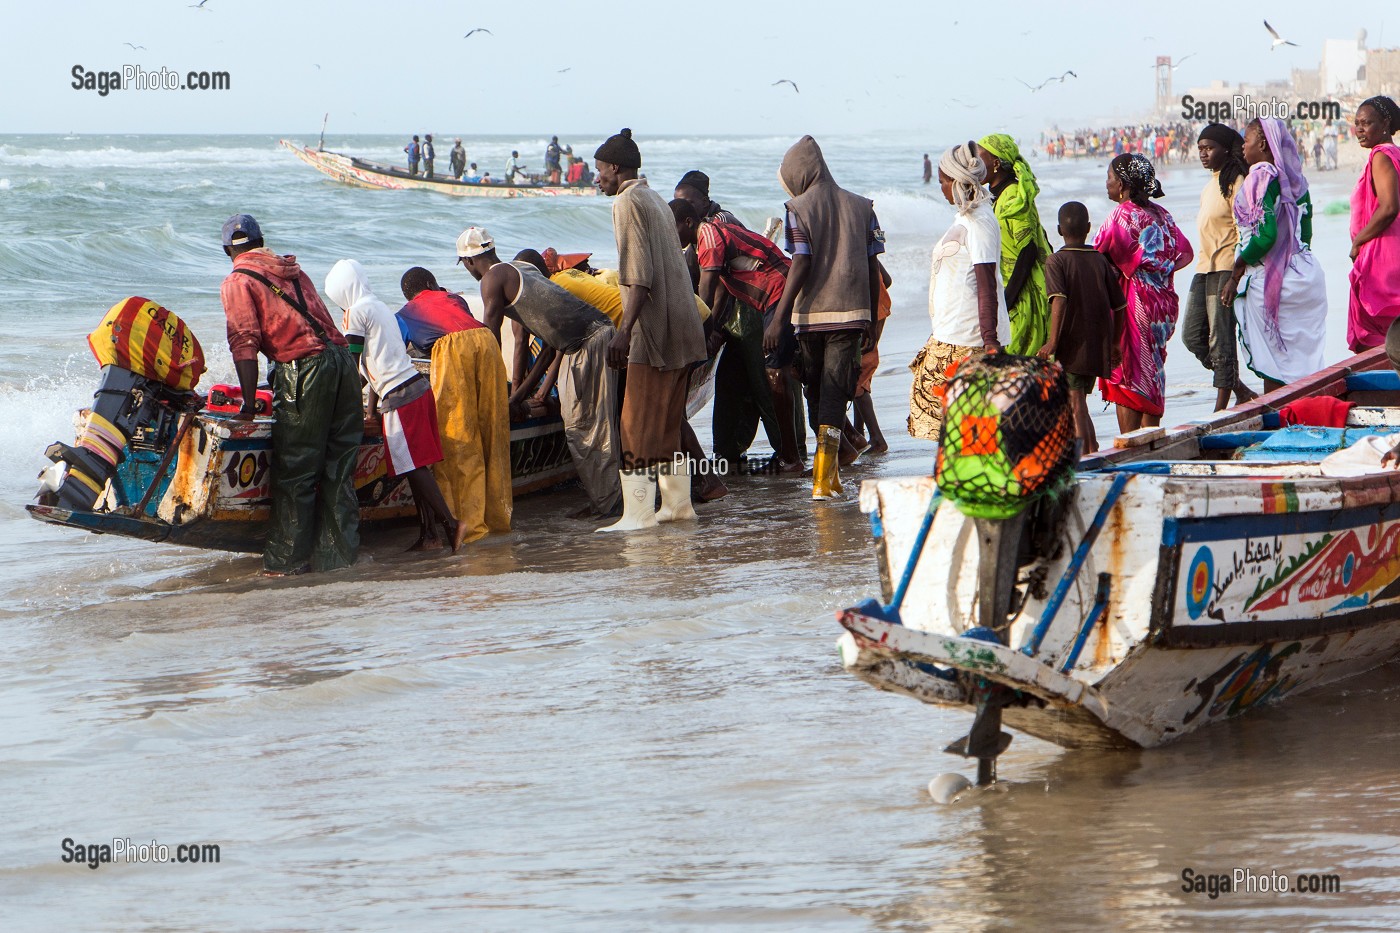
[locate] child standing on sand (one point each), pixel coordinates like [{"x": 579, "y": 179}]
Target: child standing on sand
[{"x": 1086, "y": 316}]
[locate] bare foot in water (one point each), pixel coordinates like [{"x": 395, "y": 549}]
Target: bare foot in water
[
  {"x": 427, "y": 542},
  {"x": 851, "y": 451},
  {"x": 460, "y": 530},
  {"x": 708, "y": 489}
]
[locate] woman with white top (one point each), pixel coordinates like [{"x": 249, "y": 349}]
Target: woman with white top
[{"x": 967, "y": 306}]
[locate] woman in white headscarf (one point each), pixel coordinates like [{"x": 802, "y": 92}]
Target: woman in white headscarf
[{"x": 966, "y": 304}]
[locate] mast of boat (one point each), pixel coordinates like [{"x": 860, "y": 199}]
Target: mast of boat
[{"x": 321, "y": 146}]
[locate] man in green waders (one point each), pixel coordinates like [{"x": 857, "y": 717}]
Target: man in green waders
[{"x": 317, "y": 419}]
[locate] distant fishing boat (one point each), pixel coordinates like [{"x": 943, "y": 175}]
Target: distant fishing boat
[
  {"x": 1187, "y": 577},
  {"x": 366, "y": 174}
]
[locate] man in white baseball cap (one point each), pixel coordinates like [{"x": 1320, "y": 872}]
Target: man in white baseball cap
[{"x": 473, "y": 242}]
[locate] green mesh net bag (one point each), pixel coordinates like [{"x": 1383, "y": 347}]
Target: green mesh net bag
[{"x": 1008, "y": 434}]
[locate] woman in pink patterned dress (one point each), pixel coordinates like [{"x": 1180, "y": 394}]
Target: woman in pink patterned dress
[{"x": 1147, "y": 248}]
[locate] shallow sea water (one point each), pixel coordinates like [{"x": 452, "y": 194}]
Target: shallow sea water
[{"x": 561, "y": 730}]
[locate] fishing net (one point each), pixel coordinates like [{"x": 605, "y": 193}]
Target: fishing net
[{"x": 1008, "y": 434}]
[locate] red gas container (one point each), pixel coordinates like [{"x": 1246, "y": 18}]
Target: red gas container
[{"x": 227, "y": 398}]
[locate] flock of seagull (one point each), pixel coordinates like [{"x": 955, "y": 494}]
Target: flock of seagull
[{"x": 1060, "y": 78}]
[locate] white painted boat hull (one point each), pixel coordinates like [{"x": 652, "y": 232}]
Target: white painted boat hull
[{"x": 1230, "y": 585}]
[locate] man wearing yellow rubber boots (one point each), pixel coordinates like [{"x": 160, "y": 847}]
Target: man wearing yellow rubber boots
[{"x": 834, "y": 238}]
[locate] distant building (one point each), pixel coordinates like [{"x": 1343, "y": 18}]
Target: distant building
[
  {"x": 1343, "y": 69},
  {"x": 1307, "y": 83},
  {"x": 1382, "y": 72}
]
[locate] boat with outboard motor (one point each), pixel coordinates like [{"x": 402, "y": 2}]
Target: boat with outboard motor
[
  {"x": 1184, "y": 577},
  {"x": 362, "y": 173},
  {"x": 158, "y": 461}
]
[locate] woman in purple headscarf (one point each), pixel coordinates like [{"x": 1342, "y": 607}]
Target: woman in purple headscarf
[{"x": 1277, "y": 287}]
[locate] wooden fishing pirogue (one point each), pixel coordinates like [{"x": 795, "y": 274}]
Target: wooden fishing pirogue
[
  {"x": 363, "y": 173},
  {"x": 217, "y": 492},
  {"x": 203, "y": 479},
  {"x": 1191, "y": 576}
]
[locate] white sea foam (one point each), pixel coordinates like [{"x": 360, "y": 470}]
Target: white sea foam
[
  {"x": 35, "y": 414},
  {"x": 119, "y": 157}
]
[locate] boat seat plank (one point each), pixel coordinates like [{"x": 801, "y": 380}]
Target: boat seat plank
[
  {"x": 1232, "y": 440},
  {"x": 1380, "y": 380}
]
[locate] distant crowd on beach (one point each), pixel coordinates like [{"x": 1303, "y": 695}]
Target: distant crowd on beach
[
  {"x": 1166, "y": 143},
  {"x": 1106, "y": 307}
]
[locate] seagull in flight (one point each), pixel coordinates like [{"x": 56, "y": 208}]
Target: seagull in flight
[
  {"x": 477, "y": 30},
  {"x": 562, "y": 70},
  {"x": 140, "y": 48},
  {"x": 1278, "y": 40},
  {"x": 1060, "y": 78},
  {"x": 786, "y": 81},
  {"x": 199, "y": 5}
]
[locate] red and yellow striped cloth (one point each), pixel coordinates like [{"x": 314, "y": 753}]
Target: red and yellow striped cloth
[{"x": 151, "y": 341}]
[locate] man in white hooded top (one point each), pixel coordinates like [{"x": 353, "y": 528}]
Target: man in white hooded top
[{"x": 398, "y": 393}]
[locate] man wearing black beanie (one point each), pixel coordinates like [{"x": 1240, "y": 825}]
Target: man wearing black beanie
[{"x": 657, "y": 340}]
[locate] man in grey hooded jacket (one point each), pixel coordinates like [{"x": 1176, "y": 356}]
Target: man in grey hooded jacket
[{"x": 832, "y": 288}]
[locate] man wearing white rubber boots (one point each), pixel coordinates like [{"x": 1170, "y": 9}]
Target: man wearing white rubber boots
[{"x": 659, "y": 337}]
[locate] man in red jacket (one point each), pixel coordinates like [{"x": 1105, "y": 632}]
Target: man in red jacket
[{"x": 272, "y": 308}]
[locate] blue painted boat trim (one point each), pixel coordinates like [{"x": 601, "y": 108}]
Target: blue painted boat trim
[
  {"x": 1230, "y": 440},
  {"x": 914, "y": 554},
  {"x": 1180, "y": 530},
  {"x": 1076, "y": 563},
  {"x": 1095, "y": 613},
  {"x": 1380, "y": 380}
]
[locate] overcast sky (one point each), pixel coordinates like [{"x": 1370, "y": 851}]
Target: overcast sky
[{"x": 662, "y": 67}]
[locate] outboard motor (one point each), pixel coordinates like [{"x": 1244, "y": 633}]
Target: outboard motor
[
  {"x": 1007, "y": 442},
  {"x": 150, "y": 364}
]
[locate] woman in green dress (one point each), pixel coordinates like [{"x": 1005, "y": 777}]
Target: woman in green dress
[{"x": 1024, "y": 245}]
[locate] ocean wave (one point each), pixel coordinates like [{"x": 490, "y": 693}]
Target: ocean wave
[
  {"x": 37, "y": 412},
  {"x": 120, "y": 157},
  {"x": 138, "y": 255},
  {"x": 906, "y": 214}
]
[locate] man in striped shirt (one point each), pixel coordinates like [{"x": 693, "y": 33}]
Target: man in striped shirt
[{"x": 753, "y": 272}]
